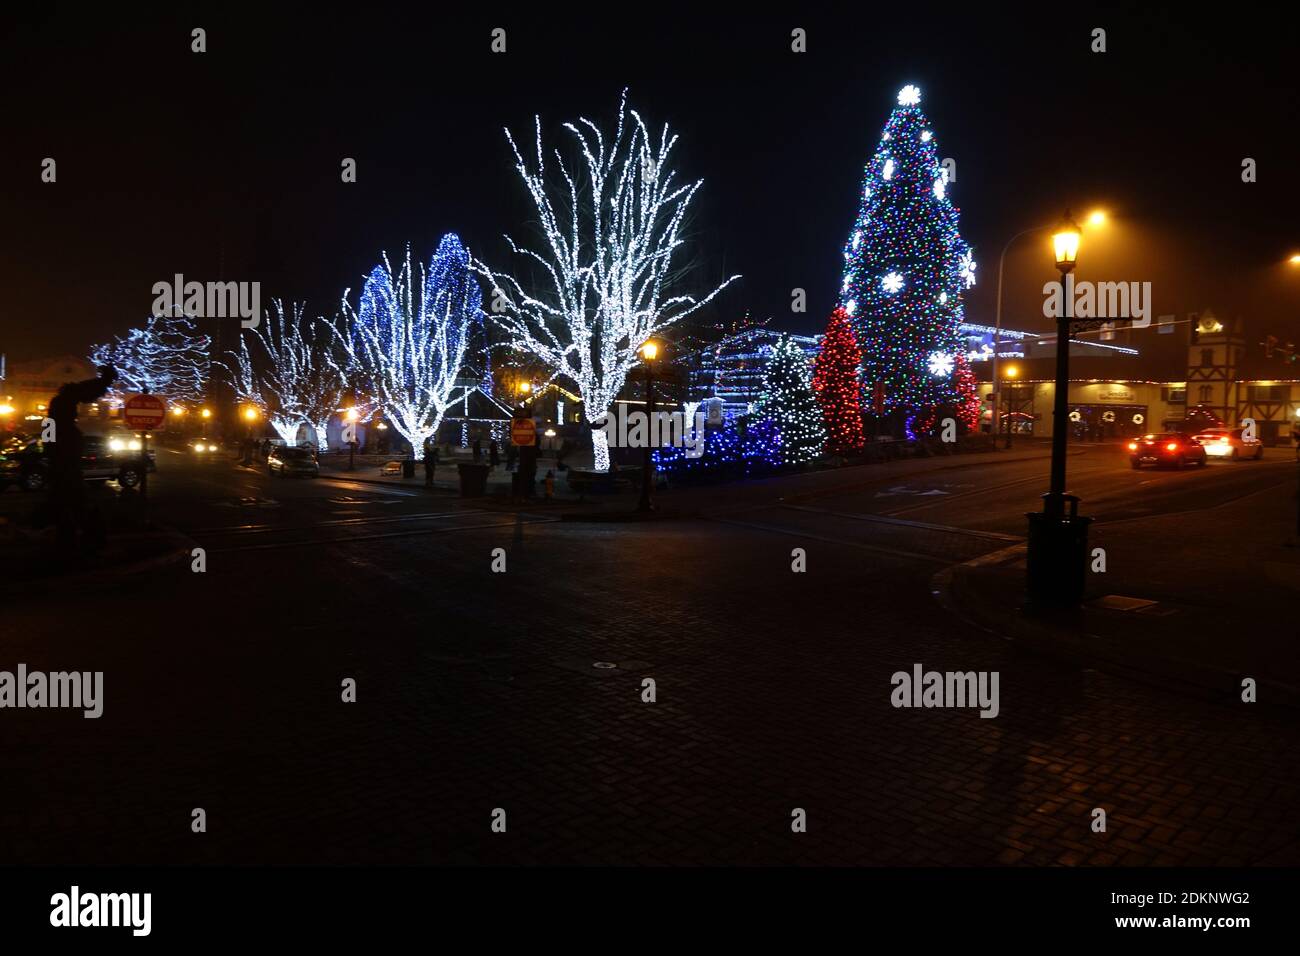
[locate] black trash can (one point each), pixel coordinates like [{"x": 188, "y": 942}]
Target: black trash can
[
  {"x": 408, "y": 468},
  {"x": 1058, "y": 557},
  {"x": 473, "y": 479}
]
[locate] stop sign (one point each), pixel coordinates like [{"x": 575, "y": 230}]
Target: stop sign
[
  {"x": 144, "y": 413},
  {"x": 523, "y": 431}
]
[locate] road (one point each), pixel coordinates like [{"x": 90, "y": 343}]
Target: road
[{"x": 522, "y": 689}]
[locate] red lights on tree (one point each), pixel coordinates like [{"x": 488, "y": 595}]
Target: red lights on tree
[{"x": 837, "y": 387}]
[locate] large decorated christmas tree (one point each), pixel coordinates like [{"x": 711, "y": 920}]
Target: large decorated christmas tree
[{"x": 905, "y": 269}]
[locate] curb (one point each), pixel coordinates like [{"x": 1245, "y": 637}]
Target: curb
[
  {"x": 628, "y": 517},
  {"x": 1075, "y": 646}
]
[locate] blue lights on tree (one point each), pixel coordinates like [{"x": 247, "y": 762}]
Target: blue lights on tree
[{"x": 406, "y": 340}]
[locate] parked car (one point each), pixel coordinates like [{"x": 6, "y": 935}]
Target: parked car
[
  {"x": 29, "y": 466},
  {"x": 1170, "y": 448},
  {"x": 1230, "y": 443},
  {"x": 292, "y": 460},
  {"x": 10, "y": 463}
]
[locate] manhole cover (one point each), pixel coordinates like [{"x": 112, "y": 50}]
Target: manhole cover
[{"x": 602, "y": 669}]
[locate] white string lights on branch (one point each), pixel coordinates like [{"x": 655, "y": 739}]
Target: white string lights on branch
[
  {"x": 168, "y": 357},
  {"x": 606, "y": 268},
  {"x": 291, "y": 376}
]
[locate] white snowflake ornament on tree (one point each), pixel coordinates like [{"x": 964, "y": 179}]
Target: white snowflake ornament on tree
[
  {"x": 941, "y": 365},
  {"x": 967, "y": 269},
  {"x": 892, "y": 282},
  {"x": 909, "y": 96}
]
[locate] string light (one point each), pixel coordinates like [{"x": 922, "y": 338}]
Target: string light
[
  {"x": 835, "y": 383},
  {"x": 168, "y": 357},
  {"x": 788, "y": 402},
  {"x": 291, "y": 379},
  {"x": 609, "y": 258},
  {"x": 406, "y": 340},
  {"x": 904, "y": 277}
]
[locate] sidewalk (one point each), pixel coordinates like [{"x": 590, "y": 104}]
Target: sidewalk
[
  {"x": 675, "y": 501},
  {"x": 1200, "y": 599},
  {"x": 446, "y": 479}
]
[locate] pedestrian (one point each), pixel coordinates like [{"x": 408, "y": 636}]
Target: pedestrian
[
  {"x": 494, "y": 456},
  {"x": 430, "y": 465},
  {"x": 550, "y": 484},
  {"x": 512, "y": 455},
  {"x": 478, "y": 449}
]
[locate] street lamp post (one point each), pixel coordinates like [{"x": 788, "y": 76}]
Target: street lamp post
[
  {"x": 1058, "y": 541},
  {"x": 997, "y": 321},
  {"x": 649, "y": 352},
  {"x": 1097, "y": 218},
  {"x": 1066, "y": 244}
]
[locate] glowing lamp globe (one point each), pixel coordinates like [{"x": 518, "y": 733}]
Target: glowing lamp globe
[{"x": 1065, "y": 243}]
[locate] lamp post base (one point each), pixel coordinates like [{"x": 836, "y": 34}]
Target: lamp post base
[{"x": 1058, "y": 553}]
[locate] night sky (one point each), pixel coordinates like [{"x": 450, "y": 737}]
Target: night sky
[{"x": 225, "y": 165}]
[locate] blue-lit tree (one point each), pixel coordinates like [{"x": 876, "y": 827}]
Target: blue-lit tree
[
  {"x": 406, "y": 339},
  {"x": 168, "y": 357},
  {"x": 905, "y": 269}
]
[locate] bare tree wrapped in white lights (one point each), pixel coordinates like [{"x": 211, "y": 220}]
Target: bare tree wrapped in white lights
[
  {"x": 604, "y": 275},
  {"x": 168, "y": 357},
  {"x": 298, "y": 383},
  {"x": 405, "y": 341}
]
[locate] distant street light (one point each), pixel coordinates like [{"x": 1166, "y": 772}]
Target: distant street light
[
  {"x": 351, "y": 415},
  {"x": 1096, "y": 218},
  {"x": 1011, "y": 372},
  {"x": 250, "y": 416}
]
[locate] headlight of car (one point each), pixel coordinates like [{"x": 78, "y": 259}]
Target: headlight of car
[{"x": 212, "y": 448}]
